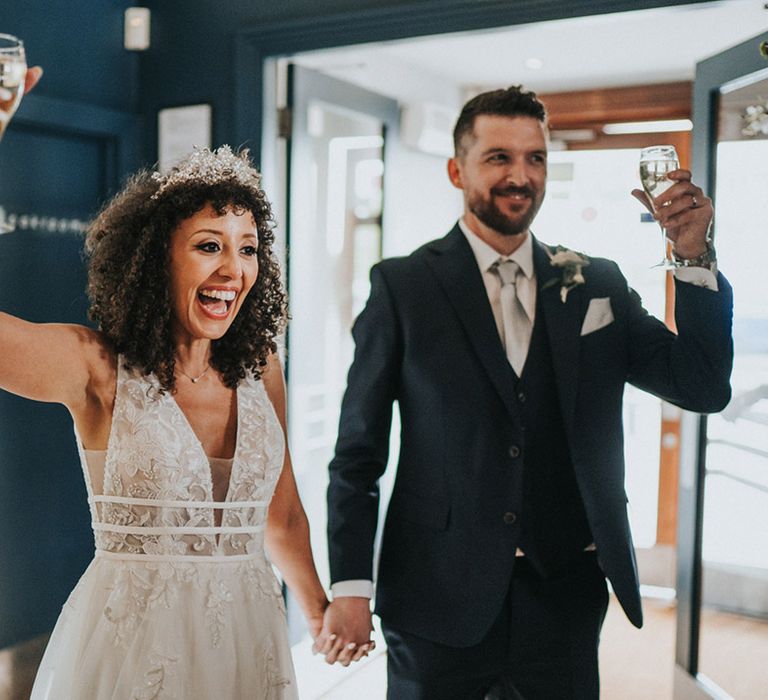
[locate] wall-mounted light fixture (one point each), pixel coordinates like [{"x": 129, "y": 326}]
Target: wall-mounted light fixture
[
  {"x": 648, "y": 127},
  {"x": 136, "y": 32}
]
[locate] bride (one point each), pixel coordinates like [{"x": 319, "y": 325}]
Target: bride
[{"x": 178, "y": 404}]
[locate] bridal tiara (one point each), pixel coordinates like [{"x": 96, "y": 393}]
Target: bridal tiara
[{"x": 209, "y": 168}]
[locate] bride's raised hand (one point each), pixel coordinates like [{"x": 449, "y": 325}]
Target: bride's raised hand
[{"x": 32, "y": 78}]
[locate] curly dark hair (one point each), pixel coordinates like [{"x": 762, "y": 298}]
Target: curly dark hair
[
  {"x": 129, "y": 282},
  {"x": 509, "y": 102}
]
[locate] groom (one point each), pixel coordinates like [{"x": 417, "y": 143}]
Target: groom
[{"x": 508, "y": 360}]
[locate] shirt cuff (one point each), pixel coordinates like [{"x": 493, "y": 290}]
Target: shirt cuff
[
  {"x": 700, "y": 276},
  {"x": 358, "y": 588}
]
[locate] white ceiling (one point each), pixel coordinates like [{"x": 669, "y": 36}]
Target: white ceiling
[{"x": 629, "y": 48}]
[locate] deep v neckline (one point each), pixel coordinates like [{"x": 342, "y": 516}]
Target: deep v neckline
[{"x": 235, "y": 456}]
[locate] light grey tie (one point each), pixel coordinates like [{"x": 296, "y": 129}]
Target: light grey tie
[{"x": 517, "y": 325}]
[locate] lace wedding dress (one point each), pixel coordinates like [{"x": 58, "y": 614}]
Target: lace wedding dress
[{"x": 173, "y": 606}]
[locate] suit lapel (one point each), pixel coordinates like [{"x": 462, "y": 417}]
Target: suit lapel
[
  {"x": 562, "y": 322},
  {"x": 455, "y": 267}
]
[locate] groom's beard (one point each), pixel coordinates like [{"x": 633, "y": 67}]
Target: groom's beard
[{"x": 487, "y": 211}]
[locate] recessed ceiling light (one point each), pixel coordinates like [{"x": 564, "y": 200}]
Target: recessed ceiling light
[{"x": 534, "y": 63}]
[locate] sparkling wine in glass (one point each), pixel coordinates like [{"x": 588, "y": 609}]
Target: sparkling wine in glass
[
  {"x": 13, "y": 71},
  {"x": 656, "y": 162}
]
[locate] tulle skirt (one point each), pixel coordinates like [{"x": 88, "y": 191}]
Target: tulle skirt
[{"x": 133, "y": 630}]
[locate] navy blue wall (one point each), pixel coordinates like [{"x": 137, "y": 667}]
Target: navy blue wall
[
  {"x": 80, "y": 45},
  {"x": 59, "y": 160}
]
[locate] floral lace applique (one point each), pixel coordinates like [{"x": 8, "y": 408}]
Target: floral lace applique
[
  {"x": 218, "y": 596},
  {"x": 275, "y": 679},
  {"x": 160, "y": 674}
]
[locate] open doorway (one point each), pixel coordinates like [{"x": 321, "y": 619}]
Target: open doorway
[{"x": 423, "y": 205}]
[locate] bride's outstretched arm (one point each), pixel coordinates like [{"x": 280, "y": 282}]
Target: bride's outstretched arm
[
  {"x": 49, "y": 362},
  {"x": 55, "y": 362},
  {"x": 43, "y": 362}
]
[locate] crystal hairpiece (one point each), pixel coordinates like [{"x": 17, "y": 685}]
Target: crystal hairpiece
[{"x": 209, "y": 168}]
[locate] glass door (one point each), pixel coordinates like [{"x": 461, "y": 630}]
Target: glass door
[
  {"x": 722, "y": 636},
  {"x": 339, "y": 149}
]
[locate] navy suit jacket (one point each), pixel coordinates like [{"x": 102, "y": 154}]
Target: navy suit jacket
[{"x": 427, "y": 339}]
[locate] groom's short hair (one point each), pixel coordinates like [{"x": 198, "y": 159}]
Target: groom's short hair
[{"x": 509, "y": 102}]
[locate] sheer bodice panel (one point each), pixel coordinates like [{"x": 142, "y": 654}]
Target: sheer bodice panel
[{"x": 157, "y": 497}]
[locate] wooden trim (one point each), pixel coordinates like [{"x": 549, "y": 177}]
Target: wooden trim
[
  {"x": 568, "y": 110},
  {"x": 681, "y": 140},
  {"x": 669, "y": 452}
]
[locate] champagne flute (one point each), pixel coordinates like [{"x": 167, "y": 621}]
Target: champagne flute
[
  {"x": 655, "y": 164},
  {"x": 13, "y": 71}
]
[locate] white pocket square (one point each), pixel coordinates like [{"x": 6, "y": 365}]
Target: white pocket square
[{"x": 599, "y": 315}]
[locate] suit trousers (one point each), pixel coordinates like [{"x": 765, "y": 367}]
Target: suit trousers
[{"x": 542, "y": 646}]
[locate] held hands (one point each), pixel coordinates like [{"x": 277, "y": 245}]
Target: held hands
[
  {"x": 684, "y": 212},
  {"x": 346, "y": 632}
]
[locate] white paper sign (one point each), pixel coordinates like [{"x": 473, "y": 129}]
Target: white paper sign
[{"x": 180, "y": 129}]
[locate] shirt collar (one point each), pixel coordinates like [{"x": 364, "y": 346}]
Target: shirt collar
[{"x": 486, "y": 256}]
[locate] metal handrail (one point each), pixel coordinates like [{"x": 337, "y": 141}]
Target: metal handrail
[
  {"x": 739, "y": 479},
  {"x": 755, "y": 417},
  {"x": 739, "y": 446}
]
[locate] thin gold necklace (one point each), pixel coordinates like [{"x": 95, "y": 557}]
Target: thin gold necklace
[{"x": 196, "y": 379}]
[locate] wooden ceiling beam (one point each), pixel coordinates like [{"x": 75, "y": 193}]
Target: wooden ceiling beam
[{"x": 586, "y": 108}]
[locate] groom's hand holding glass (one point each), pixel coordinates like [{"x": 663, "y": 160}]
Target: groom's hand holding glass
[{"x": 684, "y": 212}]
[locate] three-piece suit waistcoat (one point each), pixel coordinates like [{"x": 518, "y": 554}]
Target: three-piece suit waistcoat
[{"x": 554, "y": 527}]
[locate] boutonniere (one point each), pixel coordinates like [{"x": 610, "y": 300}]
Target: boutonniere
[{"x": 571, "y": 263}]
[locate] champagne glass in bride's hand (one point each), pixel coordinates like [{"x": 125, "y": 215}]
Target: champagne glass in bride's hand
[
  {"x": 656, "y": 162},
  {"x": 13, "y": 71}
]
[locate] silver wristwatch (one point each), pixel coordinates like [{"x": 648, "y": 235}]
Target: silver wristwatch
[{"x": 707, "y": 259}]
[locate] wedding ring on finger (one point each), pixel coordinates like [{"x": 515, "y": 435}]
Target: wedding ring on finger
[{"x": 694, "y": 201}]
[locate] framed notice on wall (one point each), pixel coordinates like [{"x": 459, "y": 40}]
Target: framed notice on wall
[{"x": 180, "y": 129}]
